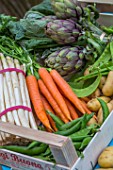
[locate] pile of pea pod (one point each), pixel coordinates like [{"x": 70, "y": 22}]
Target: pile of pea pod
[
  {"x": 78, "y": 130},
  {"x": 34, "y": 149}
]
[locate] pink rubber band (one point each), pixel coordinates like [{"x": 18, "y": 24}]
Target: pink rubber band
[
  {"x": 12, "y": 69},
  {"x": 15, "y": 108}
]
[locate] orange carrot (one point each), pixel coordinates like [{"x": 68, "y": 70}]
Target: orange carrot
[
  {"x": 48, "y": 81},
  {"x": 48, "y": 107},
  {"x": 86, "y": 99},
  {"x": 85, "y": 107},
  {"x": 71, "y": 108},
  {"x": 36, "y": 100},
  {"x": 64, "y": 86},
  {"x": 51, "y": 101}
]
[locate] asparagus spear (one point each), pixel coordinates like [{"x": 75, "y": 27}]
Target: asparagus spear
[
  {"x": 11, "y": 92},
  {"x": 17, "y": 93}
]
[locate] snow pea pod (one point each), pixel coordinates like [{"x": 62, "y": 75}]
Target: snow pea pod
[
  {"x": 79, "y": 138},
  {"x": 105, "y": 109},
  {"x": 70, "y": 124},
  {"x": 104, "y": 58},
  {"x": 88, "y": 90},
  {"x": 85, "y": 142},
  {"x": 77, "y": 145},
  {"x": 55, "y": 118},
  {"x": 33, "y": 144},
  {"x": 70, "y": 131},
  {"x": 24, "y": 150},
  {"x": 81, "y": 132}
]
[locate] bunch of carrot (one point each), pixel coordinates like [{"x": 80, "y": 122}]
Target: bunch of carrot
[
  {"x": 13, "y": 92},
  {"x": 51, "y": 92}
]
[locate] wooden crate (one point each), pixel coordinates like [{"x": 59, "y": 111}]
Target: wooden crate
[{"x": 61, "y": 147}]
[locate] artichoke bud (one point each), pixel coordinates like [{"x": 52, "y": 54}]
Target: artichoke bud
[
  {"x": 81, "y": 55},
  {"x": 63, "y": 52},
  {"x": 78, "y": 64},
  {"x": 71, "y": 55},
  {"x": 69, "y": 4}
]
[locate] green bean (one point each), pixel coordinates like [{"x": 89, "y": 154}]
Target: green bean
[
  {"x": 85, "y": 142},
  {"x": 33, "y": 144},
  {"x": 70, "y": 131},
  {"x": 77, "y": 145},
  {"x": 70, "y": 124},
  {"x": 105, "y": 109},
  {"x": 55, "y": 118},
  {"x": 25, "y": 150}
]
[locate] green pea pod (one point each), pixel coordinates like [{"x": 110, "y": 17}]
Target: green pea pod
[
  {"x": 25, "y": 150},
  {"x": 81, "y": 132},
  {"x": 77, "y": 145},
  {"x": 79, "y": 138},
  {"x": 70, "y": 131},
  {"x": 111, "y": 49},
  {"x": 103, "y": 59},
  {"x": 42, "y": 157},
  {"x": 105, "y": 109},
  {"x": 47, "y": 152},
  {"x": 70, "y": 124},
  {"x": 33, "y": 144},
  {"x": 85, "y": 142},
  {"x": 88, "y": 90},
  {"x": 55, "y": 118},
  {"x": 84, "y": 122}
]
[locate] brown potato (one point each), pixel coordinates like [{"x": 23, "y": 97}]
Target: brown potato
[
  {"x": 86, "y": 72},
  {"x": 94, "y": 104},
  {"x": 105, "y": 159},
  {"x": 107, "y": 89},
  {"x": 92, "y": 121},
  {"x": 100, "y": 113},
  {"x": 97, "y": 93},
  {"x": 102, "y": 82}
]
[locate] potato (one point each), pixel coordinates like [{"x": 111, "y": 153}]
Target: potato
[
  {"x": 92, "y": 121},
  {"x": 100, "y": 113},
  {"x": 94, "y": 104},
  {"x": 105, "y": 159},
  {"x": 86, "y": 72},
  {"x": 107, "y": 89},
  {"x": 97, "y": 93},
  {"x": 102, "y": 82}
]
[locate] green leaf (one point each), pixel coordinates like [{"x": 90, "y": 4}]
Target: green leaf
[{"x": 88, "y": 90}]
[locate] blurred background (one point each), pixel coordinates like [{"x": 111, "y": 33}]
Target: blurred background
[{"x": 17, "y": 7}]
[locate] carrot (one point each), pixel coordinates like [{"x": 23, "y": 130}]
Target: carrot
[
  {"x": 49, "y": 83},
  {"x": 64, "y": 86},
  {"x": 51, "y": 101},
  {"x": 84, "y": 105},
  {"x": 48, "y": 107},
  {"x": 71, "y": 108},
  {"x": 33, "y": 90}
]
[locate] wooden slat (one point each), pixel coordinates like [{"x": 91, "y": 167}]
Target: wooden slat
[
  {"x": 98, "y": 1},
  {"x": 58, "y": 144},
  {"x": 96, "y": 146},
  {"x": 32, "y": 134}
]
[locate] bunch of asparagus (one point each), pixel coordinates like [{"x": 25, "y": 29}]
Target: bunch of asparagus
[{"x": 13, "y": 92}]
